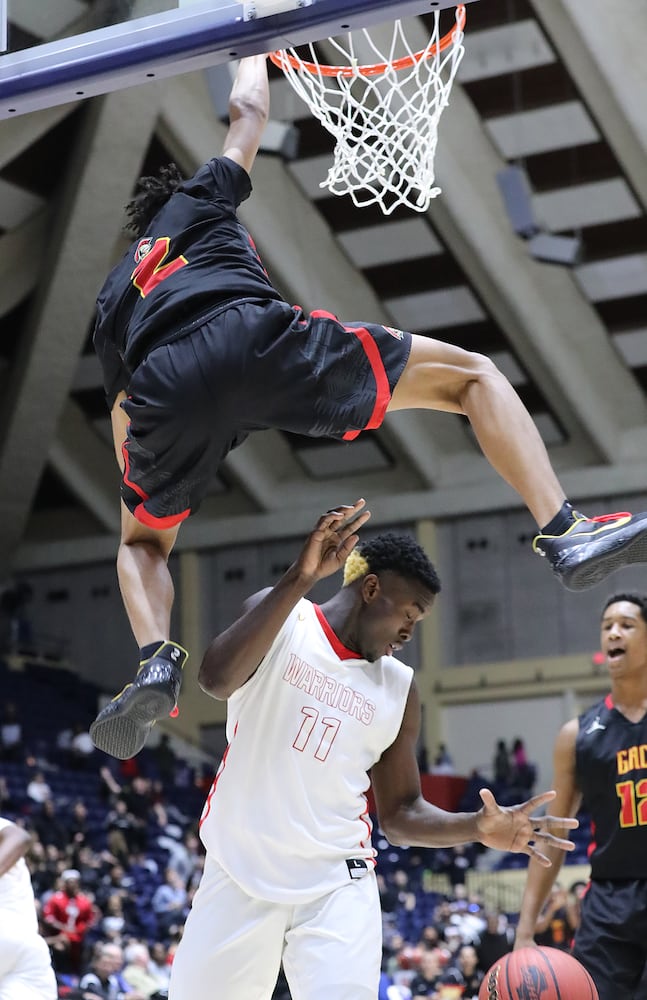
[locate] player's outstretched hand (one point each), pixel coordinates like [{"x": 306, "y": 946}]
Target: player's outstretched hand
[
  {"x": 513, "y": 828},
  {"x": 333, "y": 539}
]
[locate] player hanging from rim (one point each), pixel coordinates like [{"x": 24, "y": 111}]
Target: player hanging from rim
[{"x": 184, "y": 388}]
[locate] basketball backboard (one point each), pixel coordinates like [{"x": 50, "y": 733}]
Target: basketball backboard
[{"x": 61, "y": 51}]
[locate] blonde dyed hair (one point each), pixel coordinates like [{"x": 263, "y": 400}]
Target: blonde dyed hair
[{"x": 355, "y": 566}]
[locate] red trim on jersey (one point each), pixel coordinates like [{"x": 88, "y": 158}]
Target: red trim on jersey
[
  {"x": 608, "y": 701},
  {"x": 383, "y": 389},
  {"x": 366, "y": 819},
  {"x": 128, "y": 481},
  {"x": 207, "y": 806},
  {"x": 338, "y": 647},
  {"x": 160, "y": 523},
  {"x": 383, "y": 394}
]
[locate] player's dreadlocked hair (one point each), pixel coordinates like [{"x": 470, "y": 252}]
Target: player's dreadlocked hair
[
  {"x": 399, "y": 553},
  {"x": 150, "y": 194},
  {"x": 640, "y": 600}
]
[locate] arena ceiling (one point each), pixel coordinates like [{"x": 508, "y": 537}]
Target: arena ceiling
[{"x": 554, "y": 85}]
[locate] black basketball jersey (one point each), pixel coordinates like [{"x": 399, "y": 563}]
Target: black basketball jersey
[
  {"x": 611, "y": 772},
  {"x": 194, "y": 257}
]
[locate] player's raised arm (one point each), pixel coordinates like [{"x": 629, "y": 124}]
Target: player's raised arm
[
  {"x": 249, "y": 108},
  {"x": 234, "y": 655}
]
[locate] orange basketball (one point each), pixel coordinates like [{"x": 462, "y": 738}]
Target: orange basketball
[{"x": 537, "y": 974}]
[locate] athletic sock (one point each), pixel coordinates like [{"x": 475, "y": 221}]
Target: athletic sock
[
  {"x": 149, "y": 650},
  {"x": 562, "y": 521}
]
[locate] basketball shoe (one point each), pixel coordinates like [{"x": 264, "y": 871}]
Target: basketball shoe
[
  {"x": 593, "y": 547},
  {"x": 122, "y": 727}
]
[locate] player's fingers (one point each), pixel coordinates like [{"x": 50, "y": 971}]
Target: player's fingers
[
  {"x": 555, "y": 822},
  {"x": 488, "y": 800},
  {"x": 538, "y": 800},
  {"x": 550, "y": 839},
  {"x": 538, "y": 856}
]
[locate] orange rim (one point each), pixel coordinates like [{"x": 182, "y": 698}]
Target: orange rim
[{"x": 282, "y": 57}]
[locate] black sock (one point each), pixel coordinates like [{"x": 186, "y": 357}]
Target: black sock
[
  {"x": 562, "y": 520},
  {"x": 146, "y": 652}
]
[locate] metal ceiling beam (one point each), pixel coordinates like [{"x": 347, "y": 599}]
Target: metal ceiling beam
[
  {"x": 542, "y": 311},
  {"x": 89, "y": 214},
  {"x": 22, "y": 252},
  {"x": 87, "y": 466},
  {"x": 597, "y": 482},
  {"x": 18, "y": 134},
  {"x": 602, "y": 44}
]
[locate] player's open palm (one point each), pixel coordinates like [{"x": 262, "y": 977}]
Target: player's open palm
[
  {"x": 515, "y": 829},
  {"x": 333, "y": 539}
]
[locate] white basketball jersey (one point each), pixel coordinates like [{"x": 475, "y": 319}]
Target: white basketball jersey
[
  {"x": 287, "y": 816},
  {"x": 17, "y": 907}
]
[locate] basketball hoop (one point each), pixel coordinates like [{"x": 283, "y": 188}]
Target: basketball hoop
[{"x": 384, "y": 115}]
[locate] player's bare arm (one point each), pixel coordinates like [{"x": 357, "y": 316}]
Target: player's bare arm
[
  {"x": 407, "y": 818},
  {"x": 540, "y": 880},
  {"x": 234, "y": 655},
  {"x": 249, "y": 107}
]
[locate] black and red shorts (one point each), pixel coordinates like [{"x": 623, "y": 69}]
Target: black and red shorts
[{"x": 254, "y": 365}]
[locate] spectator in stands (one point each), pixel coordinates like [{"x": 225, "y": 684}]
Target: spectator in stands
[
  {"x": 43, "y": 873},
  {"x": 459, "y": 860},
  {"x": 138, "y": 973},
  {"x": 82, "y": 751},
  {"x": 165, "y": 760},
  {"x": 523, "y": 772},
  {"x": 170, "y": 902},
  {"x": 7, "y": 802},
  {"x": 557, "y": 921},
  {"x": 68, "y": 914},
  {"x": 427, "y": 979},
  {"x": 50, "y": 827},
  {"x": 11, "y": 738},
  {"x": 25, "y": 967},
  {"x": 160, "y": 963},
  {"x": 123, "y": 831},
  {"x": 494, "y": 941},
  {"x": 76, "y": 822},
  {"x": 501, "y": 765},
  {"x": 102, "y": 981},
  {"x": 465, "y": 973},
  {"x": 38, "y": 791},
  {"x": 114, "y": 954},
  {"x": 443, "y": 763},
  {"x": 113, "y": 921}
]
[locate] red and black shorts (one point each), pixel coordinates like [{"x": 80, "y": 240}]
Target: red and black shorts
[{"x": 255, "y": 365}]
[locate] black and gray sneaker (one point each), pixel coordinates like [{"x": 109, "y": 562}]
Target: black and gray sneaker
[
  {"x": 122, "y": 727},
  {"x": 593, "y": 547}
]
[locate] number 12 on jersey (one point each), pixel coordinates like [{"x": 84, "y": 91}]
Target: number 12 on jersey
[{"x": 316, "y": 734}]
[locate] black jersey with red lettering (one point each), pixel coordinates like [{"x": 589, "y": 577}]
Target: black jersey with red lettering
[
  {"x": 611, "y": 773},
  {"x": 194, "y": 257}
]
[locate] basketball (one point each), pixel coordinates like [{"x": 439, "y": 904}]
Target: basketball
[{"x": 537, "y": 974}]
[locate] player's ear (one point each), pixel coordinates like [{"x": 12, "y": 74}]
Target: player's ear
[{"x": 370, "y": 587}]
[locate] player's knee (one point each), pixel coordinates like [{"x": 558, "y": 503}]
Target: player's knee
[{"x": 481, "y": 369}]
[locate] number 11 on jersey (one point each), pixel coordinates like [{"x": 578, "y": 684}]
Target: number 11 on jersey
[{"x": 321, "y": 732}]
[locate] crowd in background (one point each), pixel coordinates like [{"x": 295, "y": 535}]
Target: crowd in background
[{"x": 113, "y": 890}]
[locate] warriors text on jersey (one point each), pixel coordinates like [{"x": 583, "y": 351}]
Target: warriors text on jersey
[
  {"x": 287, "y": 809},
  {"x": 611, "y": 773}
]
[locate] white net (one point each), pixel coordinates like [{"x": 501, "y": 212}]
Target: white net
[{"x": 384, "y": 116}]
